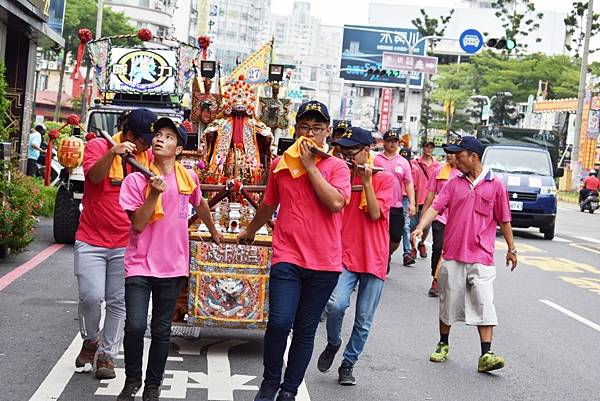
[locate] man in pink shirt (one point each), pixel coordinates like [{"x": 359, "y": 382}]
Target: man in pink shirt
[
  {"x": 476, "y": 202},
  {"x": 400, "y": 168},
  {"x": 438, "y": 179},
  {"x": 307, "y": 248},
  {"x": 423, "y": 169},
  {"x": 157, "y": 256},
  {"x": 365, "y": 255}
]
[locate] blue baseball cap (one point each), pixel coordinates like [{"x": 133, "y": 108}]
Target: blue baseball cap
[
  {"x": 314, "y": 107},
  {"x": 141, "y": 122},
  {"x": 391, "y": 135},
  {"x": 353, "y": 137},
  {"x": 466, "y": 143},
  {"x": 174, "y": 125}
]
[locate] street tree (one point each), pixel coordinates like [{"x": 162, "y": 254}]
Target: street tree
[
  {"x": 82, "y": 14},
  {"x": 519, "y": 19},
  {"x": 575, "y": 24}
]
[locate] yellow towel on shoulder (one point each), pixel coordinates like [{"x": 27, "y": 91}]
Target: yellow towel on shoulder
[
  {"x": 363, "y": 196},
  {"x": 116, "y": 168},
  {"x": 291, "y": 159},
  {"x": 185, "y": 184},
  {"x": 444, "y": 173}
]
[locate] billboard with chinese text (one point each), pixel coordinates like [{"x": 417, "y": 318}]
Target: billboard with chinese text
[{"x": 363, "y": 47}]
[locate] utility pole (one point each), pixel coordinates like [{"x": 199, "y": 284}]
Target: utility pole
[
  {"x": 575, "y": 166},
  {"x": 98, "y": 36}
]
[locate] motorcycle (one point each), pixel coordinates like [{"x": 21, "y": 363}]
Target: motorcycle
[{"x": 591, "y": 203}]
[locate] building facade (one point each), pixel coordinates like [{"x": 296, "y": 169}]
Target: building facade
[{"x": 24, "y": 26}]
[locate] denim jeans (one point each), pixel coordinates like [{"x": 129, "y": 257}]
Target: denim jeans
[
  {"x": 164, "y": 293},
  {"x": 297, "y": 296},
  {"x": 101, "y": 277},
  {"x": 406, "y": 235},
  {"x": 370, "y": 288}
]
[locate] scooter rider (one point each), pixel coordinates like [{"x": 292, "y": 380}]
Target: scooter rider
[{"x": 590, "y": 185}]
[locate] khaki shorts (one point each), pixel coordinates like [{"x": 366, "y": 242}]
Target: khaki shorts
[{"x": 467, "y": 293}]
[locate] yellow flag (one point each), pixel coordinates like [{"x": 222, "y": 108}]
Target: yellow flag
[{"x": 256, "y": 68}]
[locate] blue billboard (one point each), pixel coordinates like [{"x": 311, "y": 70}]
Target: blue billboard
[{"x": 363, "y": 47}]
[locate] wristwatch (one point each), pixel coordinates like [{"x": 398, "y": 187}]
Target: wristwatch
[{"x": 513, "y": 251}]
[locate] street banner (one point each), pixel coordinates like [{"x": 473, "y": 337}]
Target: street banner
[
  {"x": 385, "y": 109},
  {"x": 363, "y": 48},
  {"x": 400, "y": 61}
]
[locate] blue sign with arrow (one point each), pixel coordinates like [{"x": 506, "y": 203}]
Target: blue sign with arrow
[{"x": 471, "y": 41}]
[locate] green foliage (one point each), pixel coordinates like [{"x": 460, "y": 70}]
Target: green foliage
[
  {"x": 519, "y": 19},
  {"x": 488, "y": 74},
  {"x": 82, "y": 14},
  {"x": 20, "y": 200},
  {"x": 47, "y": 198},
  {"x": 432, "y": 26},
  {"x": 4, "y": 104},
  {"x": 575, "y": 23}
]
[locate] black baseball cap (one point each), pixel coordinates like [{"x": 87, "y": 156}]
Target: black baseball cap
[
  {"x": 313, "y": 107},
  {"x": 428, "y": 143},
  {"x": 353, "y": 137},
  {"x": 341, "y": 124},
  {"x": 406, "y": 153},
  {"x": 141, "y": 122},
  {"x": 175, "y": 126},
  {"x": 391, "y": 135},
  {"x": 466, "y": 143}
]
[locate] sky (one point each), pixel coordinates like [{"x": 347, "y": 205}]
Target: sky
[{"x": 340, "y": 12}]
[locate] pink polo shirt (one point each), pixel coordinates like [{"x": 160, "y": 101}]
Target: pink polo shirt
[
  {"x": 365, "y": 242},
  {"x": 421, "y": 174},
  {"x": 307, "y": 234},
  {"x": 473, "y": 214},
  {"x": 436, "y": 184},
  {"x": 400, "y": 168}
]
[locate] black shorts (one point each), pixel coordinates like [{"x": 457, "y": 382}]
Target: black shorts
[
  {"x": 396, "y": 224},
  {"x": 32, "y": 167}
]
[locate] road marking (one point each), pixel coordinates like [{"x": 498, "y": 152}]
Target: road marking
[
  {"x": 302, "y": 390},
  {"x": 521, "y": 247},
  {"x": 32, "y": 263},
  {"x": 588, "y": 239},
  {"x": 559, "y": 239},
  {"x": 573, "y": 315},
  {"x": 587, "y": 283},
  {"x": 585, "y": 248},
  {"x": 60, "y": 375},
  {"x": 558, "y": 265}
]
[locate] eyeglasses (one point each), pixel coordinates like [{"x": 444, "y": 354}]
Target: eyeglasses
[
  {"x": 349, "y": 154},
  {"x": 305, "y": 129}
]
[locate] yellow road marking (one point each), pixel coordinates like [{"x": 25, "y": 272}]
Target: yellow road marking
[
  {"x": 557, "y": 264},
  {"x": 521, "y": 248},
  {"x": 592, "y": 284}
]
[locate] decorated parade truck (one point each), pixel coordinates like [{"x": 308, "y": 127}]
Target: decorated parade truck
[
  {"x": 527, "y": 161},
  {"x": 230, "y": 148}
]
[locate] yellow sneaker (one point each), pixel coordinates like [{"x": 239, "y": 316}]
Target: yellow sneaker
[
  {"x": 490, "y": 361},
  {"x": 441, "y": 353}
]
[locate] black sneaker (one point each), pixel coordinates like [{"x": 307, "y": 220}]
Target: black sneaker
[
  {"x": 326, "y": 358},
  {"x": 266, "y": 392},
  {"x": 346, "y": 378},
  {"x": 286, "y": 396},
  {"x": 151, "y": 392},
  {"x": 131, "y": 387}
]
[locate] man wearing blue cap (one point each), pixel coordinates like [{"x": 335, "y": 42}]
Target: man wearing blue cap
[
  {"x": 476, "y": 202},
  {"x": 365, "y": 252},
  {"x": 100, "y": 242},
  {"x": 311, "y": 192}
]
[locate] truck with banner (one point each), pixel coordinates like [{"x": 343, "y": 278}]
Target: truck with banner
[{"x": 527, "y": 161}]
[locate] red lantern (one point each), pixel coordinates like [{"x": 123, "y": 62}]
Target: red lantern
[
  {"x": 70, "y": 152},
  {"x": 187, "y": 125},
  {"x": 73, "y": 119},
  {"x": 144, "y": 34}
]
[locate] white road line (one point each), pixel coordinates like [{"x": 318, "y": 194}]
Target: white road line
[
  {"x": 588, "y": 239},
  {"x": 573, "y": 315},
  {"x": 55, "y": 383},
  {"x": 302, "y": 390},
  {"x": 585, "y": 248},
  {"x": 559, "y": 239}
]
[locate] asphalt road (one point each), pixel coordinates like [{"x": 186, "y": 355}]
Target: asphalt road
[{"x": 549, "y": 328}]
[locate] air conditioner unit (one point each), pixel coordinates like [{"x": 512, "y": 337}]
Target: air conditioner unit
[
  {"x": 43, "y": 64},
  {"x": 52, "y": 65}
]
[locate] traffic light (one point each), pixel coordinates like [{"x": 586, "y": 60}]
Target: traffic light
[
  {"x": 501, "y": 43},
  {"x": 383, "y": 72}
]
